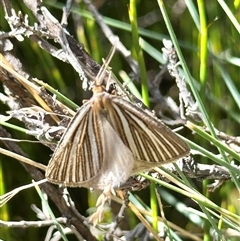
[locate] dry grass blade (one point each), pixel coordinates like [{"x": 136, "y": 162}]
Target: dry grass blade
[
  {"x": 22, "y": 159},
  {"x": 7, "y": 196},
  {"x": 32, "y": 89}
]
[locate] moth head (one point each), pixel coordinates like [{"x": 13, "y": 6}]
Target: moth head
[{"x": 98, "y": 89}]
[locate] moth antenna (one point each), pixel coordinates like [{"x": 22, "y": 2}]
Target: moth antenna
[{"x": 103, "y": 70}]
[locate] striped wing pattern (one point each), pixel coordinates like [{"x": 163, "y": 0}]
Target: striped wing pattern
[
  {"x": 151, "y": 142},
  {"x": 108, "y": 134},
  {"x": 78, "y": 156}
]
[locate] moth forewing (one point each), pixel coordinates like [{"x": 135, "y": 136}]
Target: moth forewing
[
  {"x": 151, "y": 142},
  {"x": 71, "y": 163}
]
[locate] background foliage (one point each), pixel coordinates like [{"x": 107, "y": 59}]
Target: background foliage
[{"x": 210, "y": 47}]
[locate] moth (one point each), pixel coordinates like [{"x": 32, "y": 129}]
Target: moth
[{"x": 108, "y": 140}]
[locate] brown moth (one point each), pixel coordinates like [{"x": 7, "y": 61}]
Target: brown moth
[{"x": 108, "y": 140}]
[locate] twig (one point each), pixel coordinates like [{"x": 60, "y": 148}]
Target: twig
[
  {"x": 184, "y": 95},
  {"x": 66, "y": 13},
  {"x": 118, "y": 219},
  {"x": 27, "y": 224},
  {"x": 232, "y": 141}
]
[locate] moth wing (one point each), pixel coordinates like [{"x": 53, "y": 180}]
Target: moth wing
[
  {"x": 151, "y": 142},
  {"x": 76, "y": 158}
]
